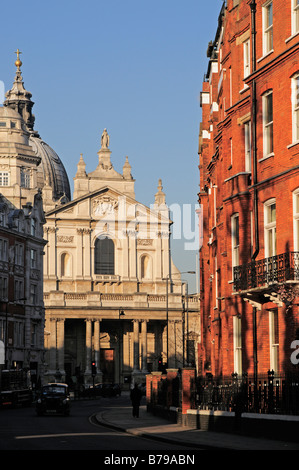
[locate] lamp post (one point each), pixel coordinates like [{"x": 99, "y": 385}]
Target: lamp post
[{"x": 167, "y": 278}]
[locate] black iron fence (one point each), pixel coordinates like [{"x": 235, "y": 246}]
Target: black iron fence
[
  {"x": 278, "y": 268},
  {"x": 271, "y": 394}
]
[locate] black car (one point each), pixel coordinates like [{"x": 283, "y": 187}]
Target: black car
[{"x": 54, "y": 398}]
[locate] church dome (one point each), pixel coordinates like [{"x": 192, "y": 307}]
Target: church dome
[{"x": 51, "y": 169}]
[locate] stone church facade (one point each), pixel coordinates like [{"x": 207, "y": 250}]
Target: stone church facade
[{"x": 107, "y": 266}]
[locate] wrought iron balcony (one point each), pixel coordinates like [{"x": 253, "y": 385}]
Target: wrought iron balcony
[{"x": 267, "y": 271}]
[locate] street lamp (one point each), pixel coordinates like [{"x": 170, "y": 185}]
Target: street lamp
[{"x": 167, "y": 278}]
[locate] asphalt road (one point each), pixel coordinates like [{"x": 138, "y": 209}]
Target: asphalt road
[{"x": 22, "y": 429}]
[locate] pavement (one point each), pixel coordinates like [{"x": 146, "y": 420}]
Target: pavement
[{"x": 154, "y": 427}]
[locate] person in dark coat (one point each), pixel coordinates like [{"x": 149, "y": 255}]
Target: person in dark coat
[{"x": 135, "y": 399}]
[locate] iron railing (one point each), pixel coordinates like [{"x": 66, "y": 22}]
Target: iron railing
[
  {"x": 275, "y": 269},
  {"x": 271, "y": 394}
]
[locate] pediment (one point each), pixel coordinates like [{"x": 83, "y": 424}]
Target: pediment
[{"x": 106, "y": 203}]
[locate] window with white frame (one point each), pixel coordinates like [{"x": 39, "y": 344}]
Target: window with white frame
[
  {"x": 235, "y": 239},
  {"x": 295, "y": 16},
  {"x": 247, "y": 144},
  {"x": 296, "y": 219},
  {"x": 270, "y": 228},
  {"x": 4, "y": 178},
  {"x": 295, "y": 107},
  {"x": 237, "y": 332},
  {"x": 268, "y": 122},
  {"x": 267, "y": 27},
  {"x": 274, "y": 340},
  {"x": 246, "y": 57}
]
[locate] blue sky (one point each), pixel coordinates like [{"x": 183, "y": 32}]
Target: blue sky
[{"x": 133, "y": 67}]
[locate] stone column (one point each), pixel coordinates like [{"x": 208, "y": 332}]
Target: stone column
[
  {"x": 144, "y": 345},
  {"x": 86, "y": 252},
  {"x": 60, "y": 345},
  {"x": 79, "y": 257},
  {"x": 52, "y": 346},
  {"x": 52, "y": 252},
  {"x": 136, "y": 345},
  {"x": 88, "y": 347},
  {"x": 97, "y": 343},
  {"x": 132, "y": 256}
]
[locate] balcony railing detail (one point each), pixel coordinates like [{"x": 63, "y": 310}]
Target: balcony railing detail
[{"x": 259, "y": 273}]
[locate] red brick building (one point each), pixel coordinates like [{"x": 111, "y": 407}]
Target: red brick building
[{"x": 249, "y": 190}]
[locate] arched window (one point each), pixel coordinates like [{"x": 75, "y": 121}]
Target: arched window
[
  {"x": 104, "y": 256},
  {"x": 66, "y": 265}
]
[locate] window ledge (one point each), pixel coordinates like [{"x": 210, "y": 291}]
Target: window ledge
[
  {"x": 293, "y": 144},
  {"x": 266, "y": 157},
  {"x": 264, "y": 56},
  {"x": 292, "y": 37},
  {"x": 246, "y": 88}
]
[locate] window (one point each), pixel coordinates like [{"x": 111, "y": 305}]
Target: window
[
  {"x": 104, "y": 256},
  {"x": 19, "y": 254},
  {"x": 247, "y": 143},
  {"x": 33, "y": 258},
  {"x": 19, "y": 334},
  {"x": 25, "y": 178},
  {"x": 237, "y": 345},
  {"x": 296, "y": 219},
  {"x": 267, "y": 27},
  {"x": 235, "y": 239},
  {"x": 295, "y": 106},
  {"x": 19, "y": 289},
  {"x": 33, "y": 294},
  {"x": 3, "y": 250},
  {"x": 33, "y": 227},
  {"x": 270, "y": 228},
  {"x": 4, "y": 178},
  {"x": 274, "y": 340},
  {"x": 268, "y": 123},
  {"x": 33, "y": 334},
  {"x": 295, "y": 14},
  {"x": 246, "y": 58},
  {"x": 3, "y": 288}
]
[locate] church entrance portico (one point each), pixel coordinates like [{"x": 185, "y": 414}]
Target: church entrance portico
[{"x": 123, "y": 349}]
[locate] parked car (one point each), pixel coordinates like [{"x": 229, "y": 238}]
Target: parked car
[{"x": 54, "y": 398}]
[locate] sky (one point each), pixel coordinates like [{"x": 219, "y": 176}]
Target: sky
[{"x": 132, "y": 66}]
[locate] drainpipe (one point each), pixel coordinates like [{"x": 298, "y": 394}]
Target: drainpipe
[
  {"x": 254, "y": 149},
  {"x": 255, "y": 201}
]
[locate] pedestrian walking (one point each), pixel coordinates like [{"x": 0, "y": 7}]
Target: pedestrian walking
[{"x": 135, "y": 399}]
